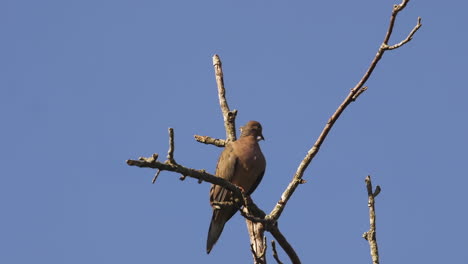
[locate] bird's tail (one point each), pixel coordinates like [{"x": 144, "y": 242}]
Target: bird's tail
[{"x": 216, "y": 228}]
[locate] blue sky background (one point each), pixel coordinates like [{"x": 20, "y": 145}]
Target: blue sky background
[{"x": 86, "y": 85}]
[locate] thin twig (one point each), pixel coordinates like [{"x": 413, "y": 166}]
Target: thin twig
[
  {"x": 276, "y": 233},
  {"x": 155, "y": 176},
  {"x": 371, "y": 235},
  {"x": 407, "y": 39},
  {"x": 228, "y": 115},
  {"x": 275, "y": 253},
  {"x": 279, "y": 207},
  {"x": 209, "y": 140}
]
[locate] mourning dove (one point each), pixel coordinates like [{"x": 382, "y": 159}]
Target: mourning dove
[{"x": 241, "y": 163}]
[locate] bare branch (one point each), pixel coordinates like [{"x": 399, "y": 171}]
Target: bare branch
[
  {"x": 276, "y": 233},
  {"x": 371, "y": 235},
  {"x": 188, "y": 172},
  {"x": 250, "y": 210},
  {"x": 209, "y": 140},
  {"x": 275, "y": 253},
  {"x": 228, "y": 115},
  {"x": 353, "y": 94}
]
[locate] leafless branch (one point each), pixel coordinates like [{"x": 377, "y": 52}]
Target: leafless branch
[
  {"x": 228, "y": 115},
  {"x": 184, "y": 171},
  {"x": 371, "y": 235},
  {"x": 249, "y": 209},
  {"x": 356, "y": 91},
  {"x": 209, "y": 140},
  {"x": 407, "y": 39},
  {"x": 275, "y": 253}
]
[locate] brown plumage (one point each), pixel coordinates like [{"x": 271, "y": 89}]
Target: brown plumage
[{"x": 243, "y": 164}]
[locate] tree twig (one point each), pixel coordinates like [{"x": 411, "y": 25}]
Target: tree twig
[
  {"x": 407, "y": 39},
  {"x": 371, "y": 235},
  {"x": 357, "y": 90},
  {"x": 275, "y": 253},
  {"x": 209, "y": 140},
  {"x": 155, "y": 176}
]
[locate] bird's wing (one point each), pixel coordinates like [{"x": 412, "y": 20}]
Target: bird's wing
[
  {"x": 256, "y": 183},
  {"x": 225, "y": 169}
]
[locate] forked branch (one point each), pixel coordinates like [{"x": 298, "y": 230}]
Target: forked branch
[{"x": 353, "y": 94}]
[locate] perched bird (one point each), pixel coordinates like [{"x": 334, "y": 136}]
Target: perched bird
[{"x": 241, "y": 163}]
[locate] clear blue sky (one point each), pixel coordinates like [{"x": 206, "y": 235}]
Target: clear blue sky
[{"x": 86, "y": 85}]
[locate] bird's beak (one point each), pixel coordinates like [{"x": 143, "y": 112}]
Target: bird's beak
[{"x": 260, "y": 138}]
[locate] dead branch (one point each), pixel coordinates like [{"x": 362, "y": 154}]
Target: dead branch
[
  {"x": 184, "y": 171},
  {"x": 371, "y": 235},
  {"x": 353, "y": 94},
  {"x": 247, "y": 207},
  {"x": 407, "y": 39},
  {"x": 201, "y": 175},
  {"x": 228, "y": 115}
]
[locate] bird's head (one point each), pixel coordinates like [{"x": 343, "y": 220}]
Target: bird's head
[{"x": 252, "y": 128}]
